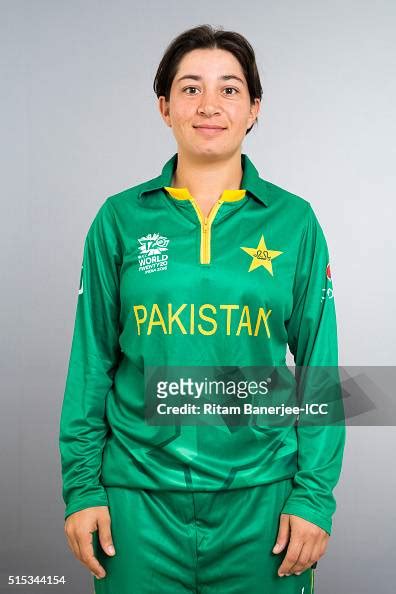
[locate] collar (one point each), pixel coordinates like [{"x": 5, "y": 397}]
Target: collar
[{"x": 251, "y": 181}]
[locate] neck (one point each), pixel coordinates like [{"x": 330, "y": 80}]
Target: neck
[{"x": 206, "y": 177}]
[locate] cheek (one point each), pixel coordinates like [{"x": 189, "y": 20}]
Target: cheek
[
  {"x": 238, "y": 117},
  {"x": 239, "y": 127},
  {"x": 182, "y": 114}
]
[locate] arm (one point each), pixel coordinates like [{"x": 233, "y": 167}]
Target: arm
[
  {"x": 312, "y": 337},
  {"x": 93, "y": 360}
]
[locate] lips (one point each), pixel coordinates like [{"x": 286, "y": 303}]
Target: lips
[{"x": 209, "y": 127}]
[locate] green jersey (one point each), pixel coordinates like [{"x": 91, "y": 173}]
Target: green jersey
[{"x": 164, "y": 285}]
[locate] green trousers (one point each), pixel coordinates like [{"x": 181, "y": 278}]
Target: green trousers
[{"x": 201, "y": 542}]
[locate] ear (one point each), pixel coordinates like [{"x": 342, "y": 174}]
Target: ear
[
  {"x": 254, "y": 111},
  {"x": 163, "y": 107}
]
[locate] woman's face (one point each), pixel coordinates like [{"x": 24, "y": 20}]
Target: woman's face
[{"x": 209, "y": 89}]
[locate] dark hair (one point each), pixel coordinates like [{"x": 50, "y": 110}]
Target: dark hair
[{"x": 206, "y": 36}]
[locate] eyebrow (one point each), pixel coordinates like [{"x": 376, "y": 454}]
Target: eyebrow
[{"x": 223, "y": 77}]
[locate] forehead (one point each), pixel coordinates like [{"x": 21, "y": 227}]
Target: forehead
[{"x": 208, "y": 62}]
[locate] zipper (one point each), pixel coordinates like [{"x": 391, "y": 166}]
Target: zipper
[
  {"x": 205, "y": 222},
  {"x": 206, "y": 226}
]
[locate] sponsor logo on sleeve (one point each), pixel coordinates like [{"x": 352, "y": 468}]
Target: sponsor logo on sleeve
[{"x": 327, "y": 291}]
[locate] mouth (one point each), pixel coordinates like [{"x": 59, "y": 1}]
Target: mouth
[
  {"x": 209, "y": 131},
  {"x": 209, "y": 127}
]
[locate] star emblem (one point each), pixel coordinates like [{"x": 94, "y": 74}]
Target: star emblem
[{"x": 262, "y": 256}]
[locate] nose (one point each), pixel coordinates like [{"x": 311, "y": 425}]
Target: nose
[{"x": 208, "y": 103}]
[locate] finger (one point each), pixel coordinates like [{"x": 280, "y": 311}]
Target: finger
[
  {"x": 316, "y": 553},
  {"x": 77, "y": 550},
  {"x": 71, "y": 541},
  {"x": 283, "y": 534},
  {"x": 73, "y": 545},
  {"x": 105, "y": 538},
  {"x": 304, "y": 559},
  {"x": 292, "y": 554},
  {"x": 323, "y": 545},
  {"x": 87, "y": 554}
]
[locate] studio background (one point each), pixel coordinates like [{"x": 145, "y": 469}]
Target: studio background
[{"x": 80, "y": 122}]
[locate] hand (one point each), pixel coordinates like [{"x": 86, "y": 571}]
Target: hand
[
  {"x": 79, "y": 527},
  {"x": 307, "y": 544}
]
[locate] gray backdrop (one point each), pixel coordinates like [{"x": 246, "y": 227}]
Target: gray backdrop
[{"x": 79, "y": 122}]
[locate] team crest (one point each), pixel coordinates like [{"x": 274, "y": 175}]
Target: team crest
[
  {"x": 261, "y": 256},
  {"x": 152, "y": 253}
]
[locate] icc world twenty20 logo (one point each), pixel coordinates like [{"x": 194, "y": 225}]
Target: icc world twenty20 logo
[{"x": 152, "y": 256}]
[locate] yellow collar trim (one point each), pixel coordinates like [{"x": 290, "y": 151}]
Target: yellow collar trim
[{"x": 184, "y": 194}]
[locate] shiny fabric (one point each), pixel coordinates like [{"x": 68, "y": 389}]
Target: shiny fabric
[
  {"x": 198, "y": 542},
  {"x": 160, "y": 285}
]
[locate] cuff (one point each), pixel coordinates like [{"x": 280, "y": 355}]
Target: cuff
[
  {"x": 85, "y": 502},
  {"x": 309, "y": 514}
]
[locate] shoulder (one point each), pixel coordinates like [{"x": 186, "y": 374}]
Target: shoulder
[
  {"x": 285, "y": 197},
  {"x": 299, "y": 215},
  {"x": 120, "y": 206},
  {"x": 129, "y": 196},
  {"x": 296, "y": 207}
]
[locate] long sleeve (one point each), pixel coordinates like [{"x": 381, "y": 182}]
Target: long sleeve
[
  {"x": 312, "y": 337},
  {"x": 93, "y": 360}
]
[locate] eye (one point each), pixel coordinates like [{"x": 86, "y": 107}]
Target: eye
[
  {"x": 196, "y": 88},
  {"x": 233, "y": 89},
  {"x": 190, "y": 88}
]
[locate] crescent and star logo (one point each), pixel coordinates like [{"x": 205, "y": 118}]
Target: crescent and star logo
[{"x": 261, "y": 256}]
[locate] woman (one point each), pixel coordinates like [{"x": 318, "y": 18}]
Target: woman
[{"x": 201, "y": 271}]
